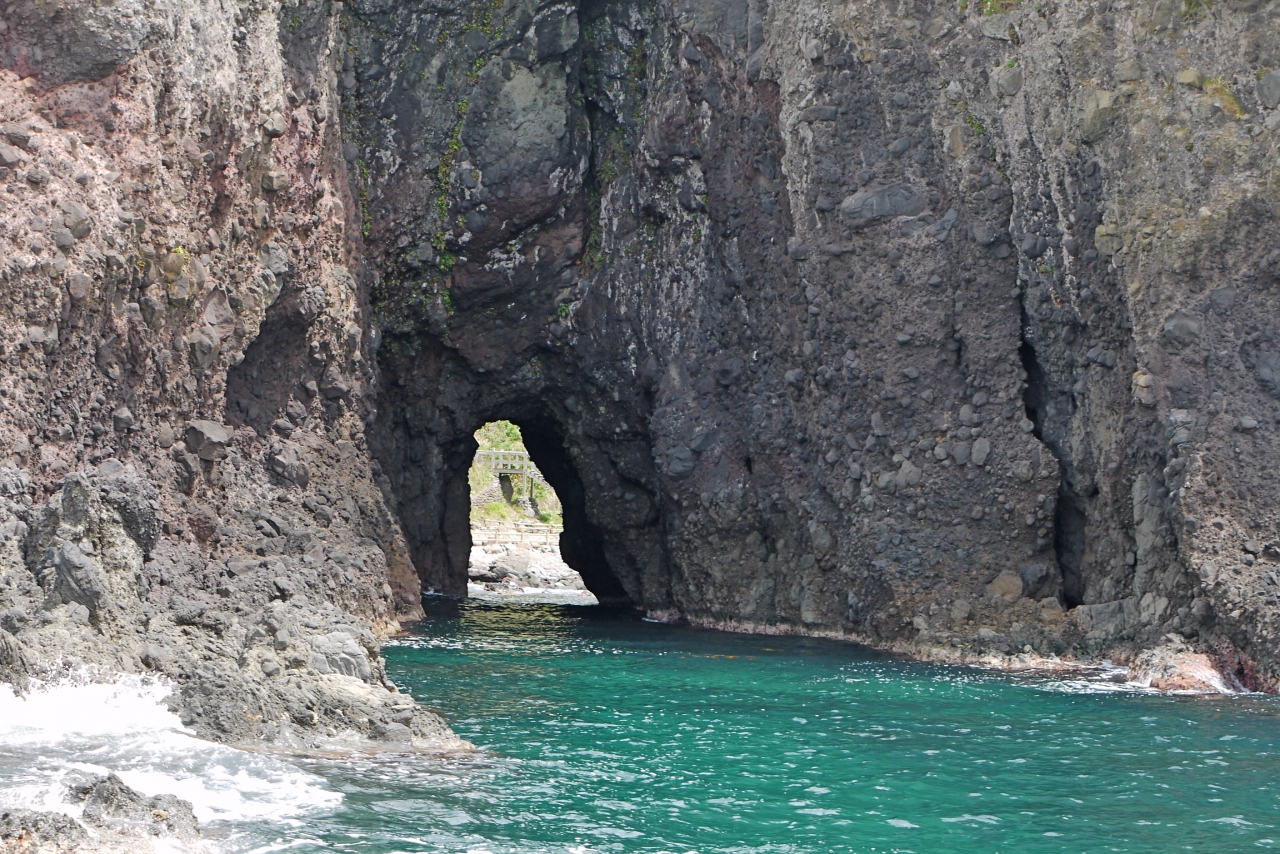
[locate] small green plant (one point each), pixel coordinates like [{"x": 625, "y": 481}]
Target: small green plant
[
  {"x": 446, "y": 301},
  {"x": 974, "y": 123},
  {"x": 563, "y": 310},
  {"x": 444, "y": 172},
  {"x": 996, "y": 7},
  {"x": 1218, "y": 90}
]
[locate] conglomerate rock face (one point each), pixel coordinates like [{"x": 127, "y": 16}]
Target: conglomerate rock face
[
  {"x": 948, "y": 328},
  {"x": 183, "y": 482},
  {"x": 900, "y": 321}
]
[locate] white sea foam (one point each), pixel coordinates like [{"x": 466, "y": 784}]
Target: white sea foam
[{"x": 60, "y": 733}]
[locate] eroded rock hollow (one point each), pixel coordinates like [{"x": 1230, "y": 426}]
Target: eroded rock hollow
[{"x": 951, "y": 329}]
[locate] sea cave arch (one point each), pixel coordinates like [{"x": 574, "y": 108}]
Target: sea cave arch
[
  {"x": 581, "y": 541},
  {"x": 611, "y": 526}
]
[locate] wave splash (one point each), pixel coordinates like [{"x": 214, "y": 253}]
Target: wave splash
[{"x": 61, "y": 733}]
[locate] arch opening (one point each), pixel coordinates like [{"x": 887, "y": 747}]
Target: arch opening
[{"x": 528, "y": 525}]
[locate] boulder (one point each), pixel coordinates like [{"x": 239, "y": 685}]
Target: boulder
[
  {"x": 28, "y": 830},
  {"x": 208, "y": 440},
  {"x": 286, "y": 459},
  {"x": 680, "y": 461},
  {"x": 334, "y": 384},
  {"x": 1269, "y": 90},
  {"x": 1099, "y": 111},
  {"x": 274, "y": 125},
  {"x": 880, "y": 201},
  {"x": 76, "y": 577},
  {"x": 1007, "y": 585},
  {"x": 108, "y": 803},
  {"x": 981, "y": 450},
  {"x": 76, "y": 218},
  {"x": 10, "y": 157},
  {"x": 1037, "y": 578},
  {"x": 1181, "y": 329}
]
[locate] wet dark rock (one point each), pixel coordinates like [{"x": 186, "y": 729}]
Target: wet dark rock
[
  {"x": 40, "y": 831},
  {"x": 108, "y": 803}
]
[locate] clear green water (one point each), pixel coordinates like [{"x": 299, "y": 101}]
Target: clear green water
[{"x": 608, "y": 734}]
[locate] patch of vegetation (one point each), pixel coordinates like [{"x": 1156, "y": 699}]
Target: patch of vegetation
[
  {"x": 1217, "y": 89},
  {"x": 494, "y": 511},
  {"x": 593, "y": 255},
  {"x": 481, "y": 17},
  {"x": 974, "y": 123},
  {"x": 500, "y": 436},
  {"x": 996, "y": 7},
  {"x": 444, "y": 172}
]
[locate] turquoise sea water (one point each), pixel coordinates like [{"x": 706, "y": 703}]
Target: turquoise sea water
[{"x": 608, "y": 734}]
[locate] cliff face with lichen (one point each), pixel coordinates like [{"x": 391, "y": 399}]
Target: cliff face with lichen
[{"x": 945, "y": 328}]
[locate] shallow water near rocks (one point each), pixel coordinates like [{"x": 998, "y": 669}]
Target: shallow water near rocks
[{"x": 604, "y": 733}]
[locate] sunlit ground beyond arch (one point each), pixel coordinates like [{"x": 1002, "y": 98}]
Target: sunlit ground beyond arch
[{"x": 516, "y": 521}]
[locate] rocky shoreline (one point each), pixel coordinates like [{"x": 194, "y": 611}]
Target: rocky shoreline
[{"x": 112, "y": 818}]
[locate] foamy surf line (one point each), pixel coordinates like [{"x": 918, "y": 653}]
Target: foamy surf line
[{"x": 63, "y": 733}]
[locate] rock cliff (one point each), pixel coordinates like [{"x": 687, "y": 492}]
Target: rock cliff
[{"x": 949, "y": 328}]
